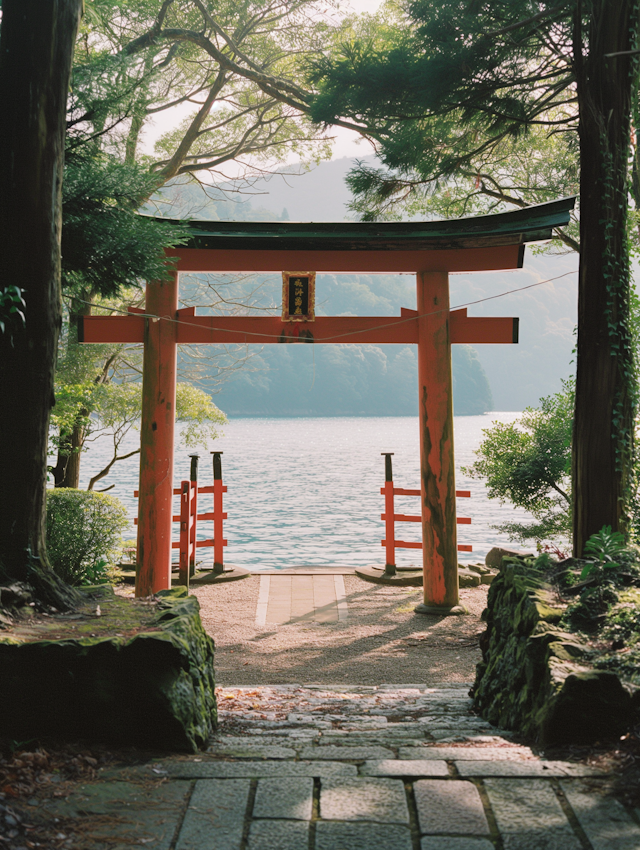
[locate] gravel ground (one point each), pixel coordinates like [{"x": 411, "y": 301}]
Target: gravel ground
[{"x": 382, "y": 641}]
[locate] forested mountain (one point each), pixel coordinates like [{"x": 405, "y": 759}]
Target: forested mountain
[{"x": 349, "y": 379}]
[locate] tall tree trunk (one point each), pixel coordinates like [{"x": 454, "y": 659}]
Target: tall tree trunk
[
  {"x": 36, "y": 49},
  {"x": 605, "y": 380},
  {"x": 66, "y": 472}
]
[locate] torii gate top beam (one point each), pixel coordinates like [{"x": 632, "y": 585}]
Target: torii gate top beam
[{"x": 484, "y": 243}]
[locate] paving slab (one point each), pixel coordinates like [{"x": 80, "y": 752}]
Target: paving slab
[
  {"x": 523, "y": 768},
  {"x": 252, "y": 750},
  {"x": 278, "y": 835},
  {"x": 257, "y": 769},
  {"x": 605, "y": 821},
  {"x": 463, "y": 721},
  {"x": 380, "y": 800},
  {"x": 371, "y": 738},
  {"x": 215, "y": 817},
  {"x": 404, "y": 767},
  {"x": 335, "y": 753},
  {"x": 362, "y": 836},
  {"x": 529, "y": 815},
  {"x": 122, "y": 815},
  {"x": 290, "y": 799},
  {"x": 451, "y": 843},
  {"x": 446, "y": 807},
  {"x": 467, "y": 753}
]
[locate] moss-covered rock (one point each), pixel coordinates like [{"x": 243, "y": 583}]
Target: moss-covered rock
[
  {"x": 533, "y": 677},
  {"x": 149, "y": 682}
]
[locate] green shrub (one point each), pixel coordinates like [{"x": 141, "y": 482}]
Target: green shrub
[
  {"x": 83, "y": 534},
  {"x": 623, "y": 624}
]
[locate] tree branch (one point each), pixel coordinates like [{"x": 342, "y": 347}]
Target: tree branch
[
  {"x": 523, "y": 23},
  {"x": 105, "y": 471}
]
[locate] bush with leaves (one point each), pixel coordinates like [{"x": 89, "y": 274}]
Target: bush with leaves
[
  {"x": 528, "y": 463},
  {"x": 611, "y": 565},
  {"x": 83, "y": 534}
]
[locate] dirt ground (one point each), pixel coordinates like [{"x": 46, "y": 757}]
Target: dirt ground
[{"x": 382, "y": 641}]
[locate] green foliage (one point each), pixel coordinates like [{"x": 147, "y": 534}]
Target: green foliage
[
  {"x": 607, "y": 547},
  {"x": 12, "y": 306},
  {"x": 614, "y": 565},
  {"x": 528, "y": 463},
  {"x": 106, "y": 245},
  {"x": 626, "y": 666},
  {"x": 622, "y": 628},
  {"x": 459, "y": 101},
  {"x": 234, "y": 68},
  {"x": 623, "y": 624},
  {"x": 83, "y": 534},
  {"x": 195, "y": 407}
]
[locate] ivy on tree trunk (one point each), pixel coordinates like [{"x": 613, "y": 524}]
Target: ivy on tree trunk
[
  {"x": 36, "y": 49},
  {"x": 606, "y": 395}
]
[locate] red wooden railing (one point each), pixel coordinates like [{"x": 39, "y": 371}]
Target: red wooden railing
[
  {"x": 189, "y": 517},
  {"x": 390, "y": 517}
]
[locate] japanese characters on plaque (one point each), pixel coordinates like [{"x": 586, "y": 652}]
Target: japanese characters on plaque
[{"x": 298, "y": 296}]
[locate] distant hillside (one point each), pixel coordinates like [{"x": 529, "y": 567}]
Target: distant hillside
[
  {"x": 517, "y": 375},
  {"x": 346, "y": 380}
]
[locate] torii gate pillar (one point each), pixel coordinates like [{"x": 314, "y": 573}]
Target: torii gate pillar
[
  {"x": 159, "y": 371},
  {"x": 437, "y": 468}
]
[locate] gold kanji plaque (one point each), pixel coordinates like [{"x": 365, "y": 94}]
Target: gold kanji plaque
[{"x": 298, "y": 296}]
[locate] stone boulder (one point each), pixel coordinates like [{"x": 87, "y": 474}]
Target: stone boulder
[
  {"x": 534, "y": 678},
  {"x": 153, "y": 688},
  {"x": 494, "y": 556}
]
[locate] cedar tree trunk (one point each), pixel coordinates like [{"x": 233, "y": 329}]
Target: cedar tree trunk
[
  {"x": 66, "y": 472},
  {"x": 605, "y": 382},
  {"x": 36, "y": 48}
]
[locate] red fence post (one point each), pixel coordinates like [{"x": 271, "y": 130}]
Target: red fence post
[
  {"x": 218, "y": 518},
  {"x": 389, "y": 517}
]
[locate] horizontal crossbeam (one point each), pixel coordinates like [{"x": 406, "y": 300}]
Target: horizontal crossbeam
[
  {"x": 410, "y": 544},
  {"x": 461, "y": 520},
  {"x": 356, "y": 260},
  {"x": 401, "y": 491},
  {"x": 199, "y": 543},
  {"x": 190, "y": 329}
]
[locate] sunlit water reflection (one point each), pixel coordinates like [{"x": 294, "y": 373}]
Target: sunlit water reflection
[{"x": 307, "y": 491}]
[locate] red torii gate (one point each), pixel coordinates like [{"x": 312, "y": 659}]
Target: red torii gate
[{"x": 429, "y": 249}]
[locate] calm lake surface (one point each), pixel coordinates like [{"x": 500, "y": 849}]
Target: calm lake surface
[{"x": 307, "y": 491}]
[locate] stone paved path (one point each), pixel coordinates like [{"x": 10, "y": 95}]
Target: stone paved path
[{"x": 351, "y": 768}]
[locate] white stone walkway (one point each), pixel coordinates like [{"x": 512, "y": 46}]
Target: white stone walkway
[{"x": 301, "y": 598}]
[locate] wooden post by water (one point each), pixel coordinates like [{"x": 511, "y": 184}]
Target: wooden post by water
[
  {"x": 389, "y": 513},
  {"x": 193, "y": 477},
  {"x": 218, "y": 517}
]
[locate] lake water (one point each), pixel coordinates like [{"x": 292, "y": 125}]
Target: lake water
[{"x": 306, "y": 491}]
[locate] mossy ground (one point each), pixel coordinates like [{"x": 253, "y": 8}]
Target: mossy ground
[{"x": 101, "y": 614}]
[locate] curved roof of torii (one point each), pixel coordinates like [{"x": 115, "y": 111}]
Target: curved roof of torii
[
  {"x": 334, "y": 246},
  {"x": 530, "y": 224}
]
